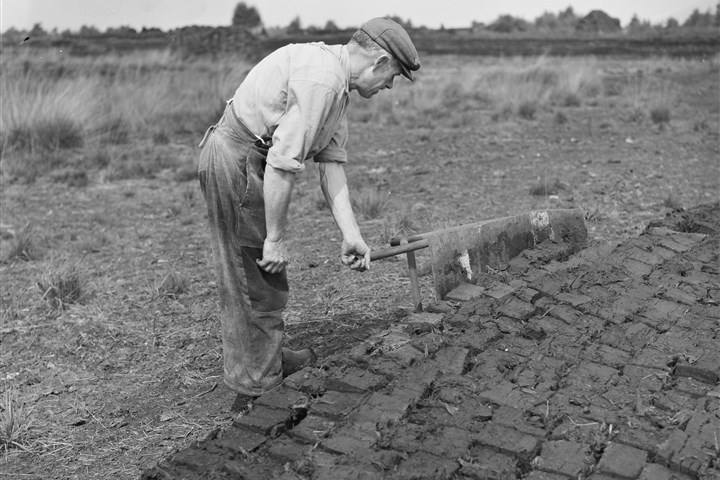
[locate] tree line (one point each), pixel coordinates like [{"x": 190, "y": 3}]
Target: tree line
[
  {"x": 248, "y": 17},
  {"x": 564, "y": 21}
]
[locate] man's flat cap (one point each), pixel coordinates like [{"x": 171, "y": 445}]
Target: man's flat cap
[{"x": 392, "y": 37}]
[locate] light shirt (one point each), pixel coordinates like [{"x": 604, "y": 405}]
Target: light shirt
[{"x": 298, "y": 96}]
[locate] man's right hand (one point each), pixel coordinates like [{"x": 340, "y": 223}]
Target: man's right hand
[{"x": 275, "y": 256}]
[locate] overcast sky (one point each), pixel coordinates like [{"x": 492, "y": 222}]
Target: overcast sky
[{"x": 169, "y": 14}]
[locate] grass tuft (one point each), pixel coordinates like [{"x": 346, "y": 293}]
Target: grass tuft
[
  {"x": 544, "y": 189},
  {"x": 15, "y": 422},
  {"x": 172, "y": 285},
  {"x": 70, "y": 176},
  {"x": 700, "y": 125},
  {"x": 527, "y": 109},
  {"x": 660, "y": 115},
  {"x": 399, "y": 224},
  {"x": 571, "y": 100},
  {"x": 161, "y": 138},
  {"x": 114, "y": 131},
  {"x": 24, "y": 245},
  {"x": 672, "y": 201},
  {"x": 186, "y": 171},
  {"x": 329, "y": 298},
  {"x": 370, "y": 203},
  {"x": 62, "y": 284},
  {"x": 47, "y": 134}
]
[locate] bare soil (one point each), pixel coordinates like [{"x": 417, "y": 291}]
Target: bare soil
[{"x": 132, "y": 372}]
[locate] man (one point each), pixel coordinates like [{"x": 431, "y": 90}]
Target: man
[{"x": 291, "y": 107}]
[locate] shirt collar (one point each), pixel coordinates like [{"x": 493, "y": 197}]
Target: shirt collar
[{"x": 345, "y": 62}]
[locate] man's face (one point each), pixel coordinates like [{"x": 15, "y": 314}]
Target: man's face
[{"x": 378, "y": 77}]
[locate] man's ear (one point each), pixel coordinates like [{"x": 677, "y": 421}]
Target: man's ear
[{"x": 381, "y": 61}]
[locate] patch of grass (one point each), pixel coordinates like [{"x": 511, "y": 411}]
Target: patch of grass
[
  {"x": 137, "y": 164},
  {"x": 329, "y": 298},
  {"x": 370, "y": 203},
  {"x": 660, "y": 115},
  {"x": 560, "y": 118},
  {"x": 114, "y": 131},
  {"x": 187, "y": 172},
  {"x": 98, "y": 158},
  {"x": 635, "y": 115},
  {"x": 15, "y": 422},
  {"x": 501, "y": 114},
  {"x": 595, "y": 215},
  {"x": 613, "y": 86},
  {"x": 11, "y": 309},
  {"x": 527, "y": 110},
  {"x": 543, "y": 189},
  {"x": 93, "y": 244},
  {"x": 399, "y": 224},
  {"x": 571, "y": 100},
  {"x": 26, "y": 168},
  {"x": 189, "y": 196},
  {"x": 672, "y": 201},
  {"x": 63, "y": 283},
  {"x": 45, "y": 134},
  {"x": 70, "y": 176},
  {"x": 172, "y": 285},
  {"x": 24, "y": 245},
  {"x": 161, "y": 138},
  {"x": 700, "y": 125}
]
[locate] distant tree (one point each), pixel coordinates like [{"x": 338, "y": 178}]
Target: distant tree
[
  {"x": 37, "y": 31},
  {"x": 568, "y": 15},
  {"x": 245, "y": 16},
  {"x": 508, "y": 24},
  {"x": 123, "y": 30},
  {"x": 330, "y": 26},
  {"x": 13, "y": 35},
  {"x": 699, "y": 20},
  {"x": 634, "y": 24},
  {"x": 89, "y": 31},
  {"x": 671, "y": 24},
  {"x": 598, "y": 21},
  {"x": 547, "y": 21},
  {"x": 294, "y": 27}
]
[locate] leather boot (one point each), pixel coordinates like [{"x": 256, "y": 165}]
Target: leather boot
[{"x": 294, "y": 360}]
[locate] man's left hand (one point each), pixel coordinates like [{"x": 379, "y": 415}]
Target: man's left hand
[{"x": 355, "y": 254}]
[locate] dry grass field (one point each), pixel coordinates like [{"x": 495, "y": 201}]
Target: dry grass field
[{"x": 110, "y": 357}]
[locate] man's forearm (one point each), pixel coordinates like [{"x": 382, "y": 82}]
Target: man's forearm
[
  {"x": 277, "y": 190},
  {"x": 334, "y": 186}
]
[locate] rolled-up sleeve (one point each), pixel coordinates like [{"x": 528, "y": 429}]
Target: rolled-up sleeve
[
  {"x": 308, "y": 106},
  {"x": 335, "y": 151}
]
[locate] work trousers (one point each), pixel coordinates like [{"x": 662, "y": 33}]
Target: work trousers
[{"x": 231, "y": 172}]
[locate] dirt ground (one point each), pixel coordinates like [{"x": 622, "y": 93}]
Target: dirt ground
[{"x": 117, "y": 382}]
